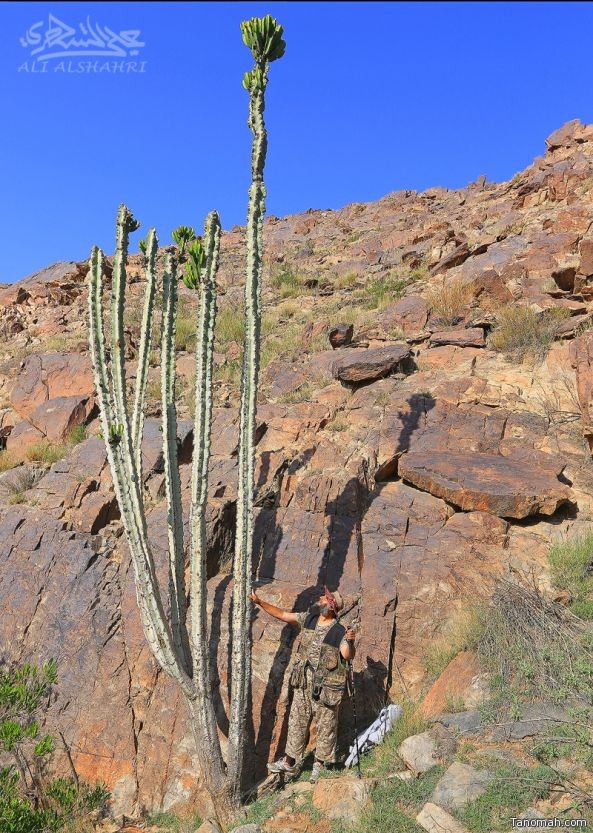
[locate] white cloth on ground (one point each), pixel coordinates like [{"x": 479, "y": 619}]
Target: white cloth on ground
[{"x": 375, "y": 733}]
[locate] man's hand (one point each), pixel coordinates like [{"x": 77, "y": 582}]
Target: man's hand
[
  {"x": 276, "y": 612},
  {"x": 350, "y": 635}
]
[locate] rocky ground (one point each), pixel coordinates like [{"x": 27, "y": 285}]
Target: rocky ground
[{"x": 424, "y": 431}]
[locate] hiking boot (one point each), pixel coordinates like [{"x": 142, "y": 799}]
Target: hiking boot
[
  {"x": 316, "y": 772},
  {"x": 282, "y": 766}
]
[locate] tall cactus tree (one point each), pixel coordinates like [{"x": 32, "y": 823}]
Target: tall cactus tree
[
  {"x": 182, "y": 649},
  {"x": 264, "y": 38}
]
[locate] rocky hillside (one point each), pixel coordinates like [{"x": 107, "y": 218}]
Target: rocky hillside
[{"x": 424, "y": 431}]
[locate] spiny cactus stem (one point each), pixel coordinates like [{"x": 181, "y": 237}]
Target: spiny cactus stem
[
  {"x": 199, "y": 480},
  {"x": 241, "y": 624},
  {"x": 170, "y": 455},
  {"x": 149, "y": 599},
  {"x": 144, "y": 350}
]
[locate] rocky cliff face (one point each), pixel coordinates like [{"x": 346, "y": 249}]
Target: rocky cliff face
[{"x": 410, "y": 464}]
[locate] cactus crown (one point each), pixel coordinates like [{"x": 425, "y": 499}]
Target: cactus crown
[
  {"x": 128, "y": 221},
  {"x": 183, "y": 235},
  {"x": 263, "y": 35},
  {"x": 195, "y": 263},
  {"x": 142, "y": 244}
]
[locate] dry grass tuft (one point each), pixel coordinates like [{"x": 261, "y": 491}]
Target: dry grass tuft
[
  {"x": 450, "y": 300},
  {"x": 522, "y": 331}
]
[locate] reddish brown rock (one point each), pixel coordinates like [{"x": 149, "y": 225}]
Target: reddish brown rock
[
  {"x": 22, "y": 436},
  {"x": 453, "y": 684},
  {"x": 341, "y": 335},
  {"x": 570, "y": 326},
  {"x": 586, "y": 261},
  {"x": 470, "y": 337},
  {"x": 504, "y": 486},
  {"x": 455, "y": 258},
  {"x": 581, "y": 354},
  {"x": 367, "y": 365},
  {"x": 48, "y": 376},
  {"x": 57, "y": 417},
  {"x": 408, "y": 315}
]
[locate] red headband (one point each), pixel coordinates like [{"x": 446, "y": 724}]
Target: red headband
[{"x": 331, "y": 600}]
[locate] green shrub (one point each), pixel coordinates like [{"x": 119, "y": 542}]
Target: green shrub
[
  {"x": 39, "y": 804},
  {"x": 521, "y": 330},
  {"x": 381, "y": 292},
  {"x": 286, "y": 281},
  {"x": 571, "y": 562},
  {"x": 347, "y": 280}
]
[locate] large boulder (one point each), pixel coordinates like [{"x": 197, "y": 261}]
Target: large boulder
[
  {"x": 361, "y": 366},
  {"x": 505, "y": 486},
  {"x": 342, "y": 799},
  {"x": 50, "y": 375},
  {"x": 462, "y": 680},
  {"x": 57, "y": 417},
  {"x": 459, "y": 785}
]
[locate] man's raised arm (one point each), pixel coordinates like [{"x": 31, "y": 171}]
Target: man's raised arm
[{"x": 276, "y": 612}]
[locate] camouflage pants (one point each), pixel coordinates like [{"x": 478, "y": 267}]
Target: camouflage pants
[{"x": 304, "y": 710}]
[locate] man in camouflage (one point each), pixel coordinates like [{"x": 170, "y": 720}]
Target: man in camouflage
[{"x": 318, "y": 680}]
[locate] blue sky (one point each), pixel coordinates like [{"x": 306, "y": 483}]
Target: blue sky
[{"x": 369, "y": 98}]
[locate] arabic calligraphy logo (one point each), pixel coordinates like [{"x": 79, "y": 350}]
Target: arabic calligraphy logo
[{"x": 59, "y": 40}]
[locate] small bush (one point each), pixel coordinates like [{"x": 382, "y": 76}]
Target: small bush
[
  {"x": 383, "y": 291},
  {"x": 302, "y": 393},
  {"x": 346, "y": 281},
  {"x": 286, "y": 281},
  {"x": 19, "y": 482},
  {"x": 29, "y": 801},
  {"x": 286, "y": 340},
  {"x": 337, "y": 424},
  {"x": 450, "y": 300},
  {"x": 185, "y": 326},
  {"x": 462, "y": 633},
  {"x": 46, "y": 452},
  {"x": 153, "y": 389},
  {"x": 76, "y": 435},
  {"x": 171, "y": 823},
  {"x": 521, "y": 330},
  {"x": 396, "y": 803},
  {"x": 534, "y": 648},
  {"x": 572, "y": 570},
  {"x": 7, "y": 461}
]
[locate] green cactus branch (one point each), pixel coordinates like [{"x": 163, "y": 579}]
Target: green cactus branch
[
  {"x": 145, "y": 347},
  {"x": 177, "y": 596},
  {"x": 149, "y": 598},
  {"x": 264, "y": 38},
  {"x": 199, "y": 480}
]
